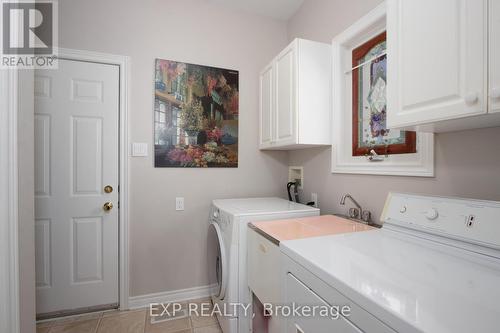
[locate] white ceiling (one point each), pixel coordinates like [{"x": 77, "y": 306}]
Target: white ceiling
[{"x": 278, "y": 9}]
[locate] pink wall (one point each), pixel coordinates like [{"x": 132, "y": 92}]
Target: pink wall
[
  {"x": 168, "y": 247},
  {"x": 467, "y": 162}
]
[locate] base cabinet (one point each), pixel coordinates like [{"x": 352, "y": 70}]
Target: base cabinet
[
  {"x": 263, "y": 265},
  {"x": 295, "y": 90}
]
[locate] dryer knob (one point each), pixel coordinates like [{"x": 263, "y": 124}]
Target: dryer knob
[{"x": 431, "y": 214}]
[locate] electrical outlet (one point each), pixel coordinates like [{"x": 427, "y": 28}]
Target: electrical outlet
[
  {"x": 314, "y": 198},
  {"x": 179, "y": 203}
]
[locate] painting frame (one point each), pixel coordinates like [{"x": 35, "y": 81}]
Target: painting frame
[{"x": 195, "y": 115}]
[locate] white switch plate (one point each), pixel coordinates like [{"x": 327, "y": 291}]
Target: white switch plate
[
  {"x": 179, "y": 203},
  {"x": 139, "y": 149}
]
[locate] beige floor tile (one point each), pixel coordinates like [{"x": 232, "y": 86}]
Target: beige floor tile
[
  {"x": 208, "y": 329},
  {"x": 202, "y": 321},
  {"x": 169, "y": 326},
  {"x": 200, "y": 306},
  {"x": 166, "y": 307},
  {"x": 120, "y": 312},
  {"x": 126, "y": 322},
  {"x": 200, "y": 316},
  {"x": 86, "y": 326}
]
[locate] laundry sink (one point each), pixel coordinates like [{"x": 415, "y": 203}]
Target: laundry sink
[{"x": 347, "y": 217}]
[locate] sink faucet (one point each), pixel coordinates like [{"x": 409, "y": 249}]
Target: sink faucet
[{"x": 358, "y": 212}]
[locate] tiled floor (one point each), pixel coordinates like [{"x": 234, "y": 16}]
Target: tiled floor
[{"x": 134, "y": 321}]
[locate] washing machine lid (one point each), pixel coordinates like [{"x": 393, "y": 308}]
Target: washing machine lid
[
  {"x": 217, "y": 261},
  {"x": 261, "y": 206}
]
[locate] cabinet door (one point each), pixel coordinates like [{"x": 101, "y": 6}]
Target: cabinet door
[
  {"x": 266, "y": 107},
  {"x": 301, "y": 295},
  {"x": 494, "y": 66},
  {"x": 263, "y": 256},
  {"x": 286, "y": 118},
  {"x": 436, "y": 60}
]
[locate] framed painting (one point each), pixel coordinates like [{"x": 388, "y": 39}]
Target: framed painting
[
  {"x": 196, "y": 112},
  {"x": 369, "y": 80}
]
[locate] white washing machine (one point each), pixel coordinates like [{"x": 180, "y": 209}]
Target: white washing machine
[{"x": 227, "y": 251}]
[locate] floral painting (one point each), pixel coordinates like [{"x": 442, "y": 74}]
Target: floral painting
[
  {"x": 369, "y": 103},
  {"x": 196, "y": 115}
]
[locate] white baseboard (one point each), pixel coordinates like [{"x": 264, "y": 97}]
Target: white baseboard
[{"x": 136, "y": 302}]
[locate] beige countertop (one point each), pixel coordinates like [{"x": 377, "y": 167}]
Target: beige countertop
[{"x": 306, "y": 227}]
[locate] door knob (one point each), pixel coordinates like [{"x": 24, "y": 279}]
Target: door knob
[
  {"x": 495, "y": 93},
  {"x": 108, "y": 188},
  {"x": 107, "y": 206}
]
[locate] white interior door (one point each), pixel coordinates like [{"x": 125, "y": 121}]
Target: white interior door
[{"x": 76, "y": 157}]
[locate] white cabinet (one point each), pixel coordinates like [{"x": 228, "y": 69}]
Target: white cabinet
[
  {"x": 263, "y": 268},
  {"x": 286, "y": 122},
  {"x": 266, "y": 106},
  {"x": 437, "y": 64},
  {"x": 264, "y": 279},
  {"x": 494, "y": 56},
  {"x": 295, "y": 91}
]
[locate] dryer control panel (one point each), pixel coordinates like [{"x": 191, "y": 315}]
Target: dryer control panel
[{"x": 470, "y": 220}]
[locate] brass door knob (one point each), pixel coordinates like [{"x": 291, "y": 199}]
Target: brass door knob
[
  {"x": 107, "y": 206},
  {"x": 108, "y": 188}
]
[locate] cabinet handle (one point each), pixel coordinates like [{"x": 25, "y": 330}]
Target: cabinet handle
[
  {"x": 471, "y": 98},
  {"x": 495, "y": 93}
]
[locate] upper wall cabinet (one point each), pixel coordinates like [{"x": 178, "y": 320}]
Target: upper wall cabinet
[
  {"x": 295, "y": 91},
  {"x": 438, "y": 64},
  {"x": 494, "y": 56}
]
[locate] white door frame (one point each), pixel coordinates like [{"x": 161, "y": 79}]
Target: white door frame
[
  {"x": 123, "y": 62},
  {"x": 9, "y": 252}
]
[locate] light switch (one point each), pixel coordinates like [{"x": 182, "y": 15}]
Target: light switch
[
  {"x": 139, "y": 149},
  {"x": 179, "y": 203}
]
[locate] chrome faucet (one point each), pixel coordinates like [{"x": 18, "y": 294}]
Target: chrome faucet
[{"x": 358, "y": 212}]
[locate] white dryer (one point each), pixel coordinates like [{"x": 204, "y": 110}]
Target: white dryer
[
  {"x": 433, "y": 267},
  {"x": 227, "y": 251}
]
